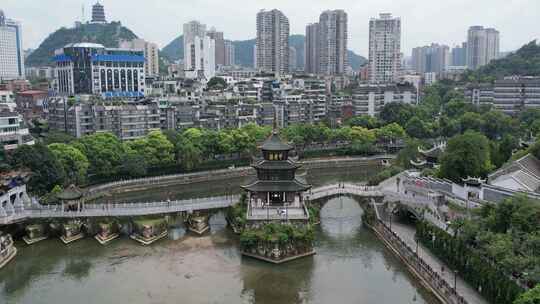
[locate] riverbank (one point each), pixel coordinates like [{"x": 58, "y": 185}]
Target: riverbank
[{"x": 142, "y": 184}]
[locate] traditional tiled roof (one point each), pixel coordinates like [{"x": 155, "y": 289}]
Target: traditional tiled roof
[
  {"x": 276, "y": 164},
  {"x": 274, "y": 143},
  {"x": 524, "y": 172},
  {"x": 70, "y": 193},
  {"x": 277, "y": 186}
]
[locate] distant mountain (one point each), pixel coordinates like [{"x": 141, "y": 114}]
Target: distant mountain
[
  {"x": 109, "y": 34},
  {"x": 244, "y": 51},
  {"x": 174, "y": 50},
  {"x": 525, "y": 62}
]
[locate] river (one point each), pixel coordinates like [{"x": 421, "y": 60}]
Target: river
[{"x": 351, "y": 266}]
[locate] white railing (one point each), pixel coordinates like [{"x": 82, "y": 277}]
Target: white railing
[{"x": 119, "y": 209}]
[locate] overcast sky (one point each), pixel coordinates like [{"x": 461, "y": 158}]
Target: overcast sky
[{"x": 423, "y": 21}]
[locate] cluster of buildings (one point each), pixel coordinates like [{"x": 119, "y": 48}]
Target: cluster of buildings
[
  {"x": 181, "y": 105},
  {"x": 438, "y": 61},
  {"x": 510, "y": 95}
]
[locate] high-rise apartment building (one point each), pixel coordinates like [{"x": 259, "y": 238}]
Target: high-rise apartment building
[
  {"x": 151, "y": 54},
  {"x": 459, "y": 55},
  {"x": 333, "y": 42},
  {"x": 292, "y": 59},
  {"x": 272, "y": 42},
  {"x": 220, "y": 46},
  {"x": 482, "y": 46},
  {"x": 199, "y": 52},
  {"x": 89, "y": 68},
  {"x": 311, "y": 58},
  {"x": 230, "y": 53},
  {"x": 98, "y": 13},
  {"x": 11, "y": 50},
  {"x": 384, "y": 49},
  {"x": 434, "y": 58}
]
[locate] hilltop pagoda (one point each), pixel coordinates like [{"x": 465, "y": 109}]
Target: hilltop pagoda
[{"x": 277, "y": 191}]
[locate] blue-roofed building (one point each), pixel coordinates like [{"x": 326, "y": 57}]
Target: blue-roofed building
[{"x": 90, "y": 68}]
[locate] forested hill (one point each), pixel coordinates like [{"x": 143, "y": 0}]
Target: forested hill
[
  {"x": 244, "y": 51},
  {"x": 525, "y": 62},
  {"x": 109, "y": 34}
]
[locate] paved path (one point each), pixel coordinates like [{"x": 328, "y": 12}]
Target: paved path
[{"x": 406, "y": 233}]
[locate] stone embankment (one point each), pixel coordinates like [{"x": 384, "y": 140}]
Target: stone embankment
[{"x": 214, "y": 175}]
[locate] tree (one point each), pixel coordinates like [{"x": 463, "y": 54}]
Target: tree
[
  {"x": 417, "y": 128},
  {"x": 47, "y": 171},
  {"x": 104, "y": 152},
  {"x": 189, "y": 156},
  {"x": 4, "y": 165},
  {"x": 497, "y": 124},
  {"x": 74, "y": 162},
  {"x": 390, "y": 132},
  {"x": 365, "y": 121},
  {"x": 362, "y": 140},
  {"x": 156, "y": 149},
  {"x": 133, "y": 163},
  {"x": 410, "y": 152},
  {"x": 471, "y": 121},
  {"x": 466, "y": 155},
  {"x": 216, "y": 83},
  {"x": 532, "y": 296},
  {"x": 397, "y": 112}
]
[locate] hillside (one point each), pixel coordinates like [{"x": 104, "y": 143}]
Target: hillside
[
  {"x": 107, "y": 34},
  {"x": 525, "y": 61},
  {"x": 244, "y": 51}
]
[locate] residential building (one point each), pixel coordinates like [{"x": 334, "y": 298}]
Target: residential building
[
  {"x": 272, "y": 44},
  {"x": 430, "y": 78},
  {"x": 31, "y": 104},
  {"x": 384, "y": 49},
  {"x": 11, "y": 49},
  {"x": 459, "y": 55},
  {"x": 126, "y": 120},
  {"x": 369, "y": 99},
  {"x": 292, "y": 59},
  {"x": 431, "y": 58},
  {"x": 510, "y": 95},
  {"x": 333, "y": 42},
  {"x": 89, "y": 68},
  {"x": 219, "y": 46},
  {"x": 199, "y": 52},
  {"x": 482, "y": 46},
  {"x": 230, "y": 53},
  {"x": 13, "y": 133},
  {"x": 7, "y": 97},
  {"x": 151, "y": 54},
  {"x": 42, "y": 72},
  {"x": 311, "y": 65},
  {"x": 98, "y": 13}
]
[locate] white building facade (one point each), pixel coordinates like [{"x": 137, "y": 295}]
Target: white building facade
[
  {"x": 199, "y": 52},
  {"x": 384, "y": 49},
  {"x": 11, "y": 49}
]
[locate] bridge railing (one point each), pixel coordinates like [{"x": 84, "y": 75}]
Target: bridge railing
[{"x": 421, "y": 268}]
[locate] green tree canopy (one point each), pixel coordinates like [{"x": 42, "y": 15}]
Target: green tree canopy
[
  {"x": 74, "y": 162},
  {"x": 156, "y": 149},
  {"x": 217, "y": 83},
  {"x": 466, "y": 155},
  {"x": 532, "y": 296},
  {"x": 103, "y": 150},
  {"x": 47, "y": 171}
]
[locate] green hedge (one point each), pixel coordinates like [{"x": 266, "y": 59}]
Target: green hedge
[{"x": 471, "y": 265}]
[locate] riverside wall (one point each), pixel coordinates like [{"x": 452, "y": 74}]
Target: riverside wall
[{"x": 213, "y": 175}]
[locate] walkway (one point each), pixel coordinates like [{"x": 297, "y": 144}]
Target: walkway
[{"x": 407, "y": 234}]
